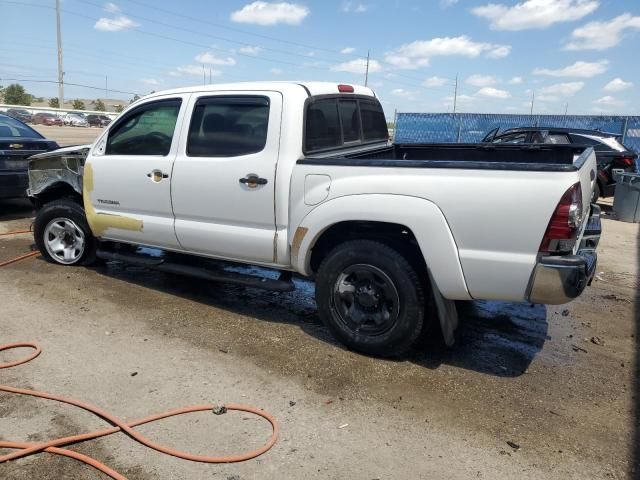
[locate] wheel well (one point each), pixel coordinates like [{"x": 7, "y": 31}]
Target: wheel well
[
  {"x": 396, "y": 236},
  {"x": 56, "y": 192}
]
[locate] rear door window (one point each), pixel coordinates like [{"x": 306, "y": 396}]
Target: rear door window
[
  {"x": 557, "y": 139},
  {"x": 227, "y": 126}
]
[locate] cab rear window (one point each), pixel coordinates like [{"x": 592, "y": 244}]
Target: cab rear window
[{"x": 336, "y": 122}]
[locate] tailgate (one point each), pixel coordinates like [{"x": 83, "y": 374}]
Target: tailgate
[{"x": 587, "y": 173}]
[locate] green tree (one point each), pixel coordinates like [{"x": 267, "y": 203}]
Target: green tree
[
  {"x": 15, "y": 94},
  {"x": 135, "y": 98},
  {"x": 99, "y": 105},
  {"x": 119, "y": 108},
  {"x": 54, "y": 103},
  {"x": 78, "y": 104}
]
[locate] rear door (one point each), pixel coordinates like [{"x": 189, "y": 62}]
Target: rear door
[
  {"x": 127, "y": 175},
  {"x": 223, "y": 186}
]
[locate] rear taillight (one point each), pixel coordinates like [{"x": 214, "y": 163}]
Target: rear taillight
[
  {"x": 345, "y": 88},
  {"x": 627, "y": 161},
  {"x": 563, "y": 228}
]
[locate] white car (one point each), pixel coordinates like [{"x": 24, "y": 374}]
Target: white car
[
  {"x": 301, "y": 178},
  {"x": 75, "y": 120}
]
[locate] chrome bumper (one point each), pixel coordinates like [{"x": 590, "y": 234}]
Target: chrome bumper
[{"x": 560, "y": 279}]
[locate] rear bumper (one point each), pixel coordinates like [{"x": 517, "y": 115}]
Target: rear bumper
[
  {"x": 560, "y": 279},
  {"x": 13, "y": 184}
]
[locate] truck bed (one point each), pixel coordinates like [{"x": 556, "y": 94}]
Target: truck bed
[{"x": 541, "y": 158}]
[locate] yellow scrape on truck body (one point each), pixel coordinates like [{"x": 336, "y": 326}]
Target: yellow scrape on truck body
[{"x": 101, "y": 222}]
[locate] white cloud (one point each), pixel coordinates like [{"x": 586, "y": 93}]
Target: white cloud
[
  {"x": 516, "y": 81},
  {"x": 275, "y": 71},
  {"x": 460, "y": 99},
  {"x": 491, "y": 92},
  {"x": 359, "y": 65},
  {"x": 578, "y": 70},
  {"x": 617, "y": 85},
  {"x": 210, "y": 59},
  {"x": 448, "y": 3},
  {"x": 267, "y": 14},
  {"x": 193, "y": 71},
  {"x": 481, "y": 80},
  {"x": 111, "y": 7},
  {"x": 250, "y": 50},
  {"x": 417, "y": 54},
  {"x": 500, "y": 51},
  {"x": 354, "y": 7},
  {"x": 401, "y": 92},
  {"x": 562, "y": 89},
  {"x": 151, "y": 81},
  {"x": 534, "y": 13},
  {"x": 435, "y": 82},
  {"x": 607, "y": 100},
  {"x": 115, "y": 24},
  {"x": 347, "y": 51},
  {"x": 602, "y": 35}
]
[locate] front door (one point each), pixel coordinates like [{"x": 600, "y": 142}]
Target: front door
[
  {"x": 127, "y": 176},
  {"x": 223, "y": 181}
]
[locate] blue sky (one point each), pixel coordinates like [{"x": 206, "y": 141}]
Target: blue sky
[{"x": 572, "y": 54}]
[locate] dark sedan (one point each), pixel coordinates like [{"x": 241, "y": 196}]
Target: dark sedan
[
  {"x": 47, "y": 119},
  {"x": 18, "y": 142},
  {"x": 611, "y": 154},
  {"x": 98, "y": 120},
  {"x": 20, "y": 114}
]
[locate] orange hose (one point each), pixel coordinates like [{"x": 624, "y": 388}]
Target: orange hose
[
  {"x": 21, "y": 257},
  {"x": 17, "y": 232},
  {"x": 17, "y": 259},
  {"x": 24, "y": 449}
]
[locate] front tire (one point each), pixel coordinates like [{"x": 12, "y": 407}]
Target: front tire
[
  {"x": 62, "y": 234},
  {"x": 370, "y": 297}
]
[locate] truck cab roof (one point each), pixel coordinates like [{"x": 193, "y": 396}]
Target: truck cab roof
[{"x": 311, "y": 88}]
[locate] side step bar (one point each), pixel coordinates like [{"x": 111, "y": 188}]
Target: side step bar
[{"x": 218, "y": 275}]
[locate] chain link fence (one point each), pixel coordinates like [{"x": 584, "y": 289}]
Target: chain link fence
[{"x": 472, "y": 127}]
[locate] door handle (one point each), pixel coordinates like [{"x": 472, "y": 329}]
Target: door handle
[
  {"x": 157, "y": 175},
  {"x": 252, "y": 180}
]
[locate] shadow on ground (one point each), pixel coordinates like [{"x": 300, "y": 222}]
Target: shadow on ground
[
  {"x": 496, "y": 338},
  {"x": 636, "y": 380},
  {"x": 15, "y": 209}
]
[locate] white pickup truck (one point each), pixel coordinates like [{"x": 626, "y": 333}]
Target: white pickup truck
[{"x": 301, "y": 178}]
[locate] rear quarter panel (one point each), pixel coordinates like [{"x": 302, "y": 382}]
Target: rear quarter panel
[{"x": 496, "y": 218}]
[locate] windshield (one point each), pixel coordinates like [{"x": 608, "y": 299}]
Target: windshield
[{"x": 10, "y": 127}]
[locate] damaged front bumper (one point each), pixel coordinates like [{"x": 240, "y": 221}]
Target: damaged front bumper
[{"x": 560, "y": 279}]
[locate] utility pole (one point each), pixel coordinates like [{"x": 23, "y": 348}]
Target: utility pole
[
  {"x": 209, "y": 75},
  {"x": 204, "y": 76},
  {"x": 366, "y": 73},
  {"x": 566, "y": 108},
  {"x": 106, "y": 87},
  {"x": 455, "y": 95},
  {"x": 60, "y": 72},
  {"x": 533, "y": 99}
]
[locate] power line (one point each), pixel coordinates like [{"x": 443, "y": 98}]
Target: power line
[
  {"x": 66, "y": 83},
  {"x": 209, "y": 47}
]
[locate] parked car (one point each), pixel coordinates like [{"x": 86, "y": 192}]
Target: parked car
[
  {"x": 611, "y": 154},
  {"x": 301, "y": 178},
  {"x": 20, "y": 114},
  {"x": 17, "y": 142},
  {"x": 98, "y": 120},
  {"x": 46, "y": 119},
  {"x": 75, "y": 120}
]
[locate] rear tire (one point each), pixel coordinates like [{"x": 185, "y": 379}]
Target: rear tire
[
  {"x": 62, "y": 234},
  {"x": 370, "y": 297}
]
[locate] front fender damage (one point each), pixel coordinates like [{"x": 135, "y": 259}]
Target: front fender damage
[{"x": 61, "y": 166}]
